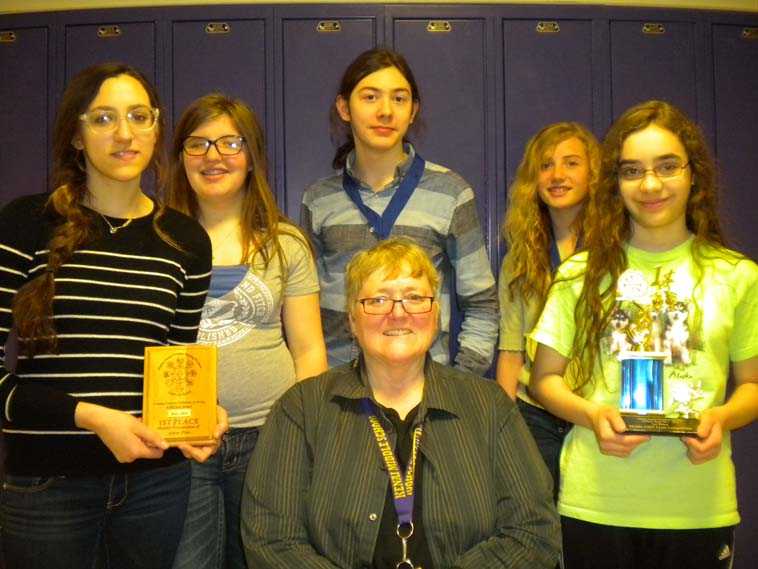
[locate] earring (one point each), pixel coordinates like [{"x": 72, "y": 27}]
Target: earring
[{"x": 80, "y": 162}]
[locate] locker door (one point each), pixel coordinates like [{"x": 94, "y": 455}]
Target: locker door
[
  {"x": 653, "y": 60},
  {"x": 23, "y": 111},
  {"x": 131, "y": 42},
  {"x": 735, "y": 54},
  {"x": 220, "y": 55},
  {"x": 314, "y": 53},
  {"x": 450, "y": 60},
  {"x": 547, "y": 78}
]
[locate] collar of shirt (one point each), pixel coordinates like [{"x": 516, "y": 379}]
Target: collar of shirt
[
  {"x": 438, "y": 399},
  {"x": 400, "y": 171}
]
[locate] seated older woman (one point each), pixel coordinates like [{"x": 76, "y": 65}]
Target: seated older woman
[{"x": 395, "y": 461}]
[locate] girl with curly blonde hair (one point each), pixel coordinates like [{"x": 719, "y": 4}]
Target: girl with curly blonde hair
[
  {"x": 543, "y": 225},
  {"x": 655, "y": 262}
]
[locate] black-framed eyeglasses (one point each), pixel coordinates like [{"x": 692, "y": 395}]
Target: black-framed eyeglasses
[
  {"x": 229, "y": 145},
  {"x": 106, "y": 120},
  {"x": 412, "y": 304},
  {"x": 663, "y": 170}
]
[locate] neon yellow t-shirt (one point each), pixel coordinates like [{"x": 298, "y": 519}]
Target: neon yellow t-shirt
[{"x": 704, "y": 322}]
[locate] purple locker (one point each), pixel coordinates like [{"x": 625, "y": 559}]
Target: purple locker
[
  {"x": 220, "y": 55},
  {"x": 450, "y": 59},
  {"x": 130, "y": 42},
  {"x": 735, "y": 56},
  {"x": 314, "y": 53},
  {"x": 653, "y": 59},
  {"x": 23, "y": 111},
  {"x": 547, "y": 78}
]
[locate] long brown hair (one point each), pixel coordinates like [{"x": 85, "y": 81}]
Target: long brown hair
[
  {"x": 608, "y": 227},
  {"x": 74, "y": 224},
  {"x": 527, "y": 226},
  {"x": 262, "y": 220},
  {"x": 365, "y": 64}
]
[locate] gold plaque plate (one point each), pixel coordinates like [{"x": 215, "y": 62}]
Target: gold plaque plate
[
  {"x": 659, "y": 425},
  {"x": 180, "y": 392}
]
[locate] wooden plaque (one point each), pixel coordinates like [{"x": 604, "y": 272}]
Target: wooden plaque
[{"x": 179, "y": 398}]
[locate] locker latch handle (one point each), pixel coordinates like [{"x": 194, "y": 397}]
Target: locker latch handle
[
  {"x": 112, "y": 31},
  {"x": 217, "y": 28},
  {"x": 548, "y": 28},
  {"x": 439, "y": 26},
  {"x": 653, "y": 28},
  {"x": 328, "y": 26}
]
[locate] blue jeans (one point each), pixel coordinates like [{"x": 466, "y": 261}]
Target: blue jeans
[
  {"x": 118, "y": 521},
  {"x": 211, "y": 538},
  {"x": 548, "y": 432}
]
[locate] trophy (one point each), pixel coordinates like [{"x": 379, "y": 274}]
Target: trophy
[
  {"x": 645, "y": 337},
  {"x": 179, "y": 394}
]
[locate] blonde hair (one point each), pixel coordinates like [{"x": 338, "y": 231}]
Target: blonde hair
[
  {"x": 392, "y": 256},
  {"x": 527, "y": 228}
]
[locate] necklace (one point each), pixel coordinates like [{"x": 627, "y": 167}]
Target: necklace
[{"x": 114, "y": 228}]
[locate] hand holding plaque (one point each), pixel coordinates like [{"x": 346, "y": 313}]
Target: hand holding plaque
[{"x": 179, "y": 398}]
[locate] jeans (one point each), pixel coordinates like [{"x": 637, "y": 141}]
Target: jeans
[
  {"x": 211, "y": 538},
  {"x": 115, "y": 521},
  {"x": 548, "y": 432}
]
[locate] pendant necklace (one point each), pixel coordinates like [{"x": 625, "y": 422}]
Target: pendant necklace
[{"x": 114, "y": 228}]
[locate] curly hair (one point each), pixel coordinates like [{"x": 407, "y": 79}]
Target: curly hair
[
  {"x": 527, "y": 227},
  {"x": 262, "y": 221},
  {"x": 74, "y": 224},
  {"x": 608, "y": 226}
]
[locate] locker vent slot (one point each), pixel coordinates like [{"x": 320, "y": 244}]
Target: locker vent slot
[
  {"x": 439, "y": 26},
  {"x": 217, "y": 28},
  {"x": 112, "y": 31},
  {"x": 548, "y": 27},
  {"x": 328, "y": 26},
  {"x": 747, "y": 33},
  {"x": 653, "y": 29}
]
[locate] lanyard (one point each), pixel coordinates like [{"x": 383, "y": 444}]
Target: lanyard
[
  {"x": 402, "y": 487},
  {"x": 381, "y": 225}
]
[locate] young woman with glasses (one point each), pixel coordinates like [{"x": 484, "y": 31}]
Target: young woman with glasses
[
  {"x": 384, "y": 188},
  {"x": 90, "y": 275},
  {"x": 656, "y": 277},
  {"x": 262, "y": 309},
  {"x": 543, "y": 226}
]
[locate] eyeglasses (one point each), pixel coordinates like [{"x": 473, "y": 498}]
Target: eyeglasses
[
  {"x": 663, "y": 170},
  {"x": 413, "y": 304},
  {"x": 103, "y": 121},
  {"x": 228, "y": 145}
]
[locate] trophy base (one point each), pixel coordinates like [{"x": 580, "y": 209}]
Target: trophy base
[{"x": 655, "y": 424}]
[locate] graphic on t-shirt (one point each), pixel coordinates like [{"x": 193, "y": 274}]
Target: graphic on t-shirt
[{"x": 227, "y": 319}]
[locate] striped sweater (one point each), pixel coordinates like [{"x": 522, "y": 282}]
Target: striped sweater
[
  {"x": 441, "y": 217},
  {"x": 115, "y": 296}
]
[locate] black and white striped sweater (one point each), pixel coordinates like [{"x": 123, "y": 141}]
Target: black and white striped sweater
[{"x": 115, "y": 296}]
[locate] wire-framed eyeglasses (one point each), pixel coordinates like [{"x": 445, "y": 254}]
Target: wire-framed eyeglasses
[
  {"x": 412, "y": 304},
  {"x": 105, "y": 120},
  {"x": 229, "y": 145},
  {"x": 663, "y": 170}
]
